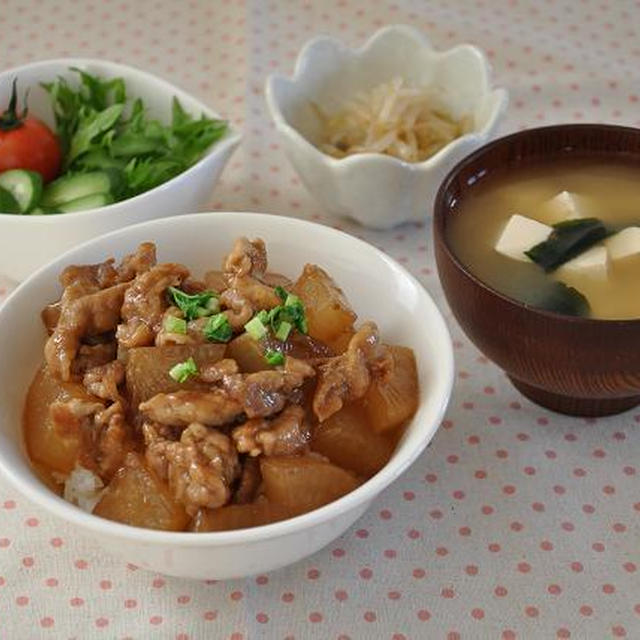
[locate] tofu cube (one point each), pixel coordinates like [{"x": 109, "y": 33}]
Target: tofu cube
[
  {"x": 519, "y": 235},
  {"x": 624, "y": 245},
  {"x": 593, "y": 263},
  {"x": 563, "y": 206}
]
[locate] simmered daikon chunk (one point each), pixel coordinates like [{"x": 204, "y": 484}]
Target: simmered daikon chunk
[
  {"x": 389, "y": 404},
  {"x": 148, "y": 368},
  {"x": 304, "y": 483},
  {"x": 329, "y": 316},
  {"x": 347, "y": 440},
  {"x": 239, "y": 516},
  {"x": 53, "y": 450},
  {"x": 137, "y": 496},
  {"x": 248, "y": 353}
]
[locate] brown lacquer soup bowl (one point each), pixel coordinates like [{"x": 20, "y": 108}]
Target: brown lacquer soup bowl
[{"x": 573, "y": 365}]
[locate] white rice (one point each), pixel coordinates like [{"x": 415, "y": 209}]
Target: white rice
[{"x": 83, "y": 488}]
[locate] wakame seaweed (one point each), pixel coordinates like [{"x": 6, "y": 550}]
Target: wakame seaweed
[
  {"x": 559, "y": 297},
  {"x": 568, "y": 239}
]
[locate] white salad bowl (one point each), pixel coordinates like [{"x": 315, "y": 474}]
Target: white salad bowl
[
  {"x": 377, "y": 190},
  {"x": 408, "y": 316},
  {"x": 29, "y": 241}
]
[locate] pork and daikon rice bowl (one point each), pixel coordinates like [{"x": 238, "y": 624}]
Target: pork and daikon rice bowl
[{"x": 242, "y": 398}]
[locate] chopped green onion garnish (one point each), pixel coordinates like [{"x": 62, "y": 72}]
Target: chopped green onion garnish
[
  {"x": 213, "y": 305},
  {"x": 263, "y": 316},
  {"x": 295, "y": 306},
  {"x": 173, "y": 324},
  {"x": 255, "y": 328},
  {"x": 274, "y": 358},
  {"x": 292, "y": 312},
  {"x": 291, "y": 300},
  {"x": 201, "y": 312},
  {"x": 182, "y": 371},
  {"x": 281, "y": 292},
  {"x": 283, "y": 330},
  {"x": 302, "y": 321},
  {"x": 218, "y": 328},
  {"x": 190, "y": 304}
]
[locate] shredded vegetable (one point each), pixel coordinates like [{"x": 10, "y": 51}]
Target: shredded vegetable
[{"x": 394, "y": 119}]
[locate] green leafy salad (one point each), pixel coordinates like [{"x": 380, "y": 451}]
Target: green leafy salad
[{"x": 111, "y": 148}]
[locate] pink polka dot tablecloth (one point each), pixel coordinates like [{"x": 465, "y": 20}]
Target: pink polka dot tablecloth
[{"x": 515, "y": 522}]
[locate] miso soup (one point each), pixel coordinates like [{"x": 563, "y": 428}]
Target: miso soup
[{"x": 584, "y": 220}]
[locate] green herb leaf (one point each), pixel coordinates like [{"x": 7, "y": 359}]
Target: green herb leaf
[
  {"x": 274, "y": 358},
  {"x": 173, "y": 324},
  {"x": 95, "y": 133},
  {"x": 189, "y": 304},
  {"x": 146, "y": 173},
  {"x": 100, "y": 160},
  {"x": 182, "y": 371},
  {"x": 130, "y": 145},
  {"x": 98, "y": 93},
  {"x": 179, "y": 117},
  {"x": 90, "y": 126},
  {"x": 567, "y": 240},
  {"x": 218, "y": 328},
  {"x": 67, "y": 104}
]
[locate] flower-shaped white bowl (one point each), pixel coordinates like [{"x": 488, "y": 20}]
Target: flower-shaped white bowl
[
  {"x": 409, "y": 317},
  {"x": 27, "y": 242},
  {"x": 378, "y": 190}
]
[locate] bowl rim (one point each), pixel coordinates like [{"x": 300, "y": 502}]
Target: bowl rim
[
  {"x": 500, "y": 93},
  {"x": 440, "y": 212},
  {"x": 39, "y": 493},
  {"x": 230, "y": 139}
]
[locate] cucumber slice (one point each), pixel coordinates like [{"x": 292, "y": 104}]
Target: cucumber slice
[
  {"x": 70, "y": 188},
  {"x": 24, "y": 185},
  {"x": 92, "y": 201},
  {"x": 8, "y": 204}
]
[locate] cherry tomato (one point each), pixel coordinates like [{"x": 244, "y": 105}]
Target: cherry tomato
[{"x": 27, "y": 143}]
